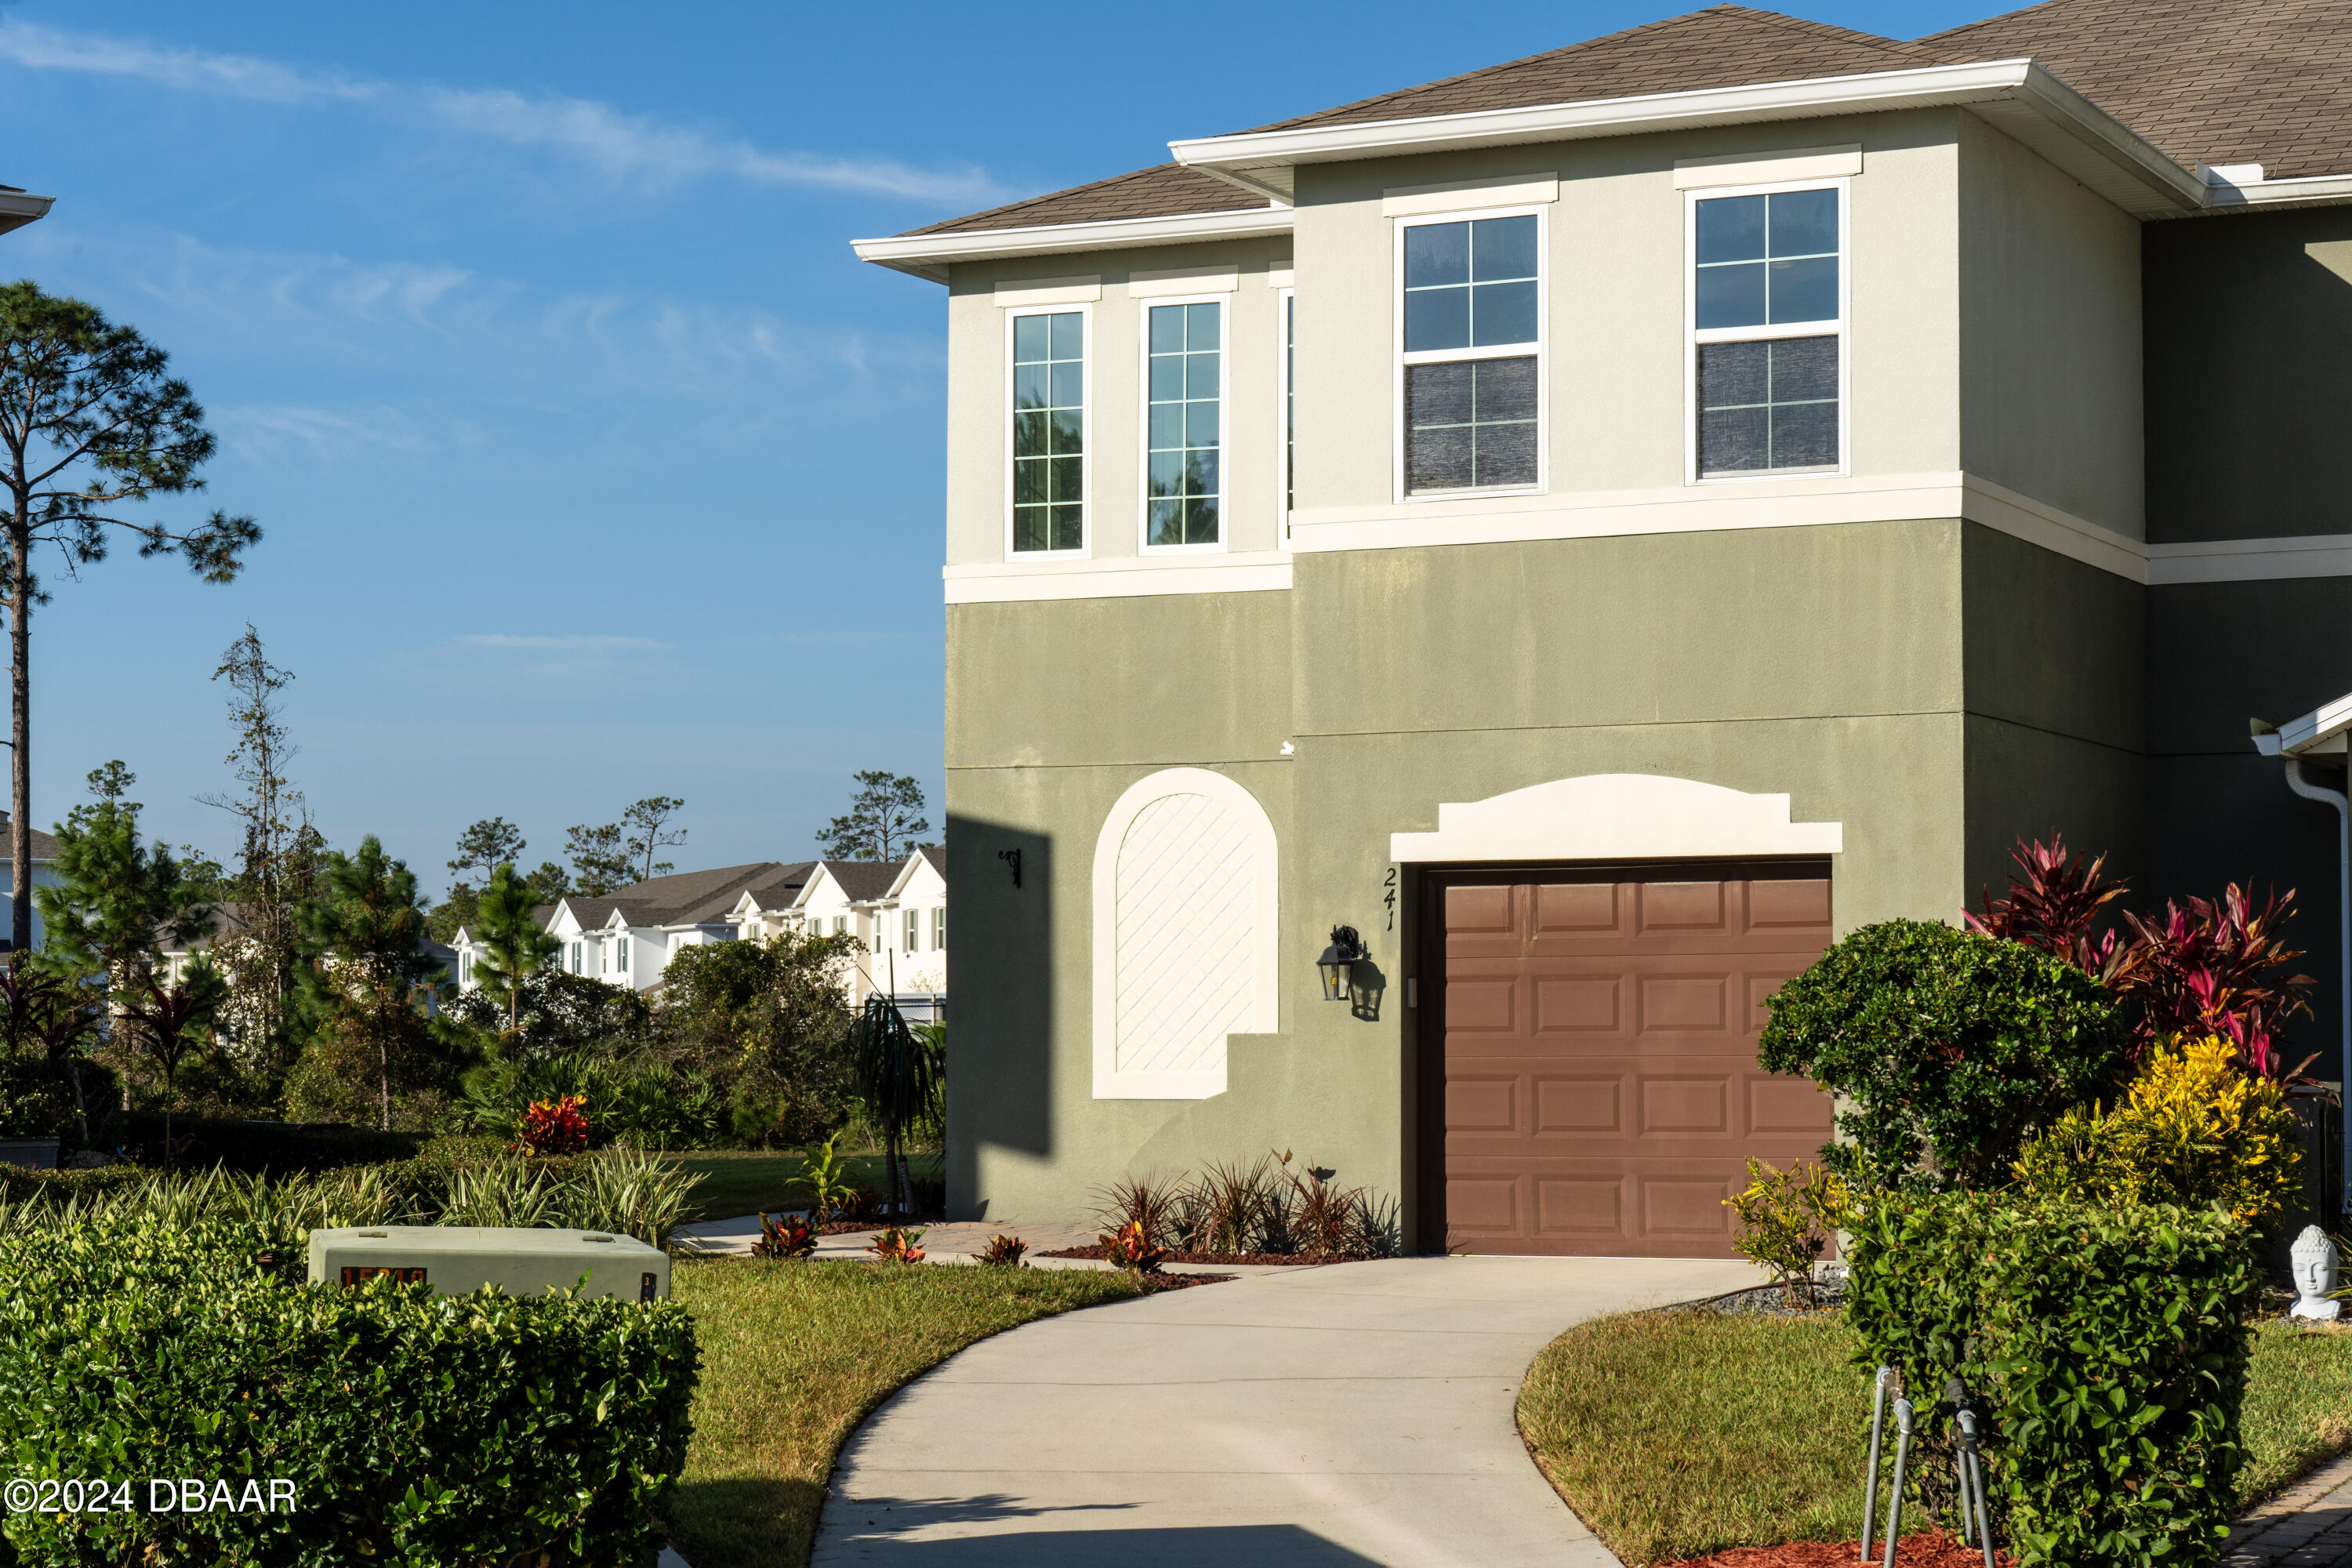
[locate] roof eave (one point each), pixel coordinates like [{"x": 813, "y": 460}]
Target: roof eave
[
  {"x": 18, "y": 208},
  {"x": 2045, "y": 113},
  {"x": 931, "y": 255}
]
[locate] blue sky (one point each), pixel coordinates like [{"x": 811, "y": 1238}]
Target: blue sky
[{"x": 593, "y": 465}]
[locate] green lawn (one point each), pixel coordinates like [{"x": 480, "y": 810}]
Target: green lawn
[
  {"x": 754, "y": 1181},
  {"x": 794, "y": 1354},
  {"x": 1678, "y": 1434}
]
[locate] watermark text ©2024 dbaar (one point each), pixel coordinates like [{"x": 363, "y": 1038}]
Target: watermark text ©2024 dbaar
[{"x": 164, "y": 1494}]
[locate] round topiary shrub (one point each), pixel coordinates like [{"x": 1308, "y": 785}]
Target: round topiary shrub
[{"x": 1944, "y": 1046}]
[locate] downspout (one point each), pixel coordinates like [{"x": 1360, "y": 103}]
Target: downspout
[{"x": 2335, "y": 797}]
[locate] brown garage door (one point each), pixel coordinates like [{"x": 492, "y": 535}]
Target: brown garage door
[{"x": 1600, "y": 1089}]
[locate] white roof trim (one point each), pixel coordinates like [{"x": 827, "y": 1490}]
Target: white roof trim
[
  {"x": 2047, "y": 115},
  {"x": 2321, "y": 730},
  {"x": 929, "y": 255},
  {"x": 18, "y": 208}
]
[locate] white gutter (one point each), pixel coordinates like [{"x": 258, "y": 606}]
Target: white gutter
[
  {"x": 2294, "y": 741},
  {"x": 2075, "y": 132},
  {"x": 931, "y": 255},
  {"x": 18, "y": 208}
]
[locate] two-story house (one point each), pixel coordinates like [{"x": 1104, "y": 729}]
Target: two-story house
[
  {"x": 1599, "y": 527},
  {"x": 898, "y": 911}
]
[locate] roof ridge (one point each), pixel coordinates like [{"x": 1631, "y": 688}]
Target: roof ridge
[{"x": 1683, "y": 19}]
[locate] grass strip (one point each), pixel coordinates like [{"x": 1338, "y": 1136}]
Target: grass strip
[
  {"x": 795, "y": 1353},
  {"x": 1675, "y": 1435},
  {"x": 754, "y": 1181}
]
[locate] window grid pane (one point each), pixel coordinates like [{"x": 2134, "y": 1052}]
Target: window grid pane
[
  {"x": 1767, "y": 405},
  {"x": 1470, "y": 424},
  {"x": 1183, "y": 423},
  {"x": 1768, "y": 260},
  {"x": 1470, "y": 285},
  {"x": 1049, "y": 431}
]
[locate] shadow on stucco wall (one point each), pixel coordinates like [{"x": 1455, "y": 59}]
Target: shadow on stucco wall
[{"x": 1001, "y": 1000}]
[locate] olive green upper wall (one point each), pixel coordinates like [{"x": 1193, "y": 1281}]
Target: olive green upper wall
[
  {"x": 2050, "y": 327},
  {"x": 1615, "y": 321},
  {"x": 2249, "y": 374}
]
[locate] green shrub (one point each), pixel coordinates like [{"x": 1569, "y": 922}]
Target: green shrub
[
  {"x": 1941, "y": 1043},
  {"x": 277, "y": 1147},
  {"x": 415, "y": 1429},
  {"x": 2109, "y": 1347},
  {"x": 2194, "y": 1129}
]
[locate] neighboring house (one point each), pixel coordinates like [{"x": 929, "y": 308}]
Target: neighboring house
[
  {"x": 627, "y": 936},
  {"x": 230, "y": 920},
  {"x": 1600, "y": 526},
  {"x": 895, "y": 910},
  {"x": 45, "y": 847}
]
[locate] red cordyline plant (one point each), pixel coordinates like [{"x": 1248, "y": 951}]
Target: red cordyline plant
[
  {"x": 560, "y": 1127},
  {"x": 897, "y": 1245},
  {"x": 788, "y": 1236},
  {"x": 2202, "y": 966}
]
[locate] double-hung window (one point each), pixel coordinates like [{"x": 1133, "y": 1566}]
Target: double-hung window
[
  {"x": 914, "y": 931},
  {"x": 1767, "y": 331},
  {"x": 1184, "y": 354},
  {"x": 940, "y": 928},
  {"x": 1472, "y": 323},
  {"x": 1049, "y": 431}
]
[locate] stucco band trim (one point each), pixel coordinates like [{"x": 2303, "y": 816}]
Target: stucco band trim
[{"x": 1617, "y": 816}]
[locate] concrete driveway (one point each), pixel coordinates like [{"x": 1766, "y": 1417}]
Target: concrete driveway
[{"x": 1312, "y": 1417}]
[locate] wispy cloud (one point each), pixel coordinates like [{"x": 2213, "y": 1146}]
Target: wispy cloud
[{"x": 618, "y": 146}]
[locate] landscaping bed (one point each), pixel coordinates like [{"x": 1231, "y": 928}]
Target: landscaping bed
[
  {"x": 1098, "y": 1253},
  {"x": 1678, "y": 1434},
  {"x": 796, "y": 1353},
  {"x": 755, "y": 1180}
]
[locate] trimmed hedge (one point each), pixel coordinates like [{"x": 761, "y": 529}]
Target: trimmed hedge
[
  {"x": 2108, "y": 1345},
  {"x": 253, "y": 1148},
  {"x": 414, "y": 1429}
]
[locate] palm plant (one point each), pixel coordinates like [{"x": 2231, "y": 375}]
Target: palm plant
[{"x": 901, "y": 1075}]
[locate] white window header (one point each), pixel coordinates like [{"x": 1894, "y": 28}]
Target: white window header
[
  {"x": 1282, "y": 275},
  {"x": 1768, "y": 168},
  {"x": 1183, "y": 280},
  {"x": 1049, "y": 291},
  {"x": 1459, "y": 196}
]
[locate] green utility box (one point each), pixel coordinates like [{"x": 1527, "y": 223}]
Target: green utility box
[{"x": 454, "y": 1259}]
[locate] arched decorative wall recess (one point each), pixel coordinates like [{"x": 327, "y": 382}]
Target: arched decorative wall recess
[
  {"x": 1186, "y": 907},
  {"x": 1617, "y": 816}
]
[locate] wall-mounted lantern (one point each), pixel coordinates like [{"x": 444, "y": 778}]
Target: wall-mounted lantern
[{"x": 1347, "y": 950}]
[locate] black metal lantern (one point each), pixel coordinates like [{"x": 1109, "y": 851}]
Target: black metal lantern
[{"x": 1347, "y": 950}]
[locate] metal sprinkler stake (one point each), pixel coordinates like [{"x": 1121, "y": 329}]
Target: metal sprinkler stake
[
  {"x": 1957, "y": 1396},
  {"x": 1903, "y": 1416},
  {"x": 1877, "y": 1431},
  {"x": 1972, "y": 1472}
]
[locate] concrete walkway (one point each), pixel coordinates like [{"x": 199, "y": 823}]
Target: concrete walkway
[{"x": 1311, "y": 1417}]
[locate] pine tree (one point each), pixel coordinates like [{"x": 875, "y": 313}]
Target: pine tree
[
  {"x": 883, "y": 823},
  {"x": 89, "y": 423},
  {"x": 515, "y": 946},
  {"x": 370, "y": 966}
]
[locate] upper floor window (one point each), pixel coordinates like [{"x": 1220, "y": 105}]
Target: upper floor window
[
  {"x": 1289, "y": 299},
  {"x": 914, "y": 931},
  {"x": 1767, "y": 331},
  {"x": 940, "y": 928},
  {"x": 621, "y": 954},
  {"x": 1184, "y": 366},
  {"x": 1472, "y": 343},
  {"x": 1049, "y": 431}
]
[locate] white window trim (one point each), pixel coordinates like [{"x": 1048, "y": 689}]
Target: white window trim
[
  {"x": 1266, "y": 954},
  {"x": 1540, "y": 213},
  {"x": 1693, "y": 336},
  {"x": 1143, "y": 309},
  {"x": 1284, "y": 479},
  {"x": 1086, "y": 314}
]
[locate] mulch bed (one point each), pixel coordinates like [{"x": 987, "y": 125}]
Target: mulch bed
[
  {"x": 1226, "y": 1258},
  {"x": 1153, "y": 1284},
  {"x": 1933, "y": 1549}
]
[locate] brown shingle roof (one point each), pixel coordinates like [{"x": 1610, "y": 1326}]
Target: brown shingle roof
[
  {"x": 1723, "y": 46},
  {"x": 1161, "y": 191},
  {"x": 2221, "y": 81},
  {"x": 2218, "y": 81}
]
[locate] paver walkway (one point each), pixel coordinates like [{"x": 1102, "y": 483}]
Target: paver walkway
[
  {"x": 1357, "y": 1414},
  {"x": 2309, "y": 1525}
]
